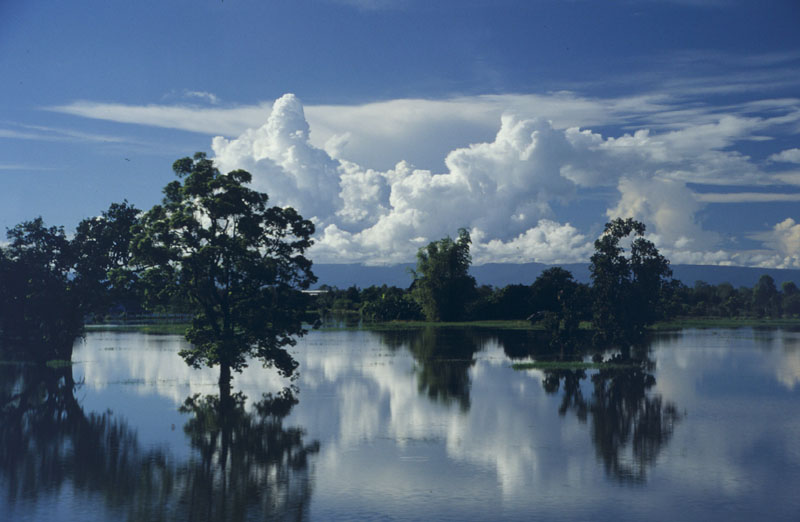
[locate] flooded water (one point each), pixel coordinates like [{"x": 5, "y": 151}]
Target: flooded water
[{"x": 430, "y": 424}]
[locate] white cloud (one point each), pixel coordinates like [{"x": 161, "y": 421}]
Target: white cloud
[
  {"x": 784, "y": 242},
  {"x": 226, "y": 121},
  {"x": 382, "y": 179},
  {"x": 669, "y": 206},
  {"x": 42, "y": 133},
  {"x": 208, "y": 96},
  {"x": 745, "y": 197},
  {"x": 548, "y": 242},
  {"x": 283, "y": 162},
  {"x": 788, "y": 156}
]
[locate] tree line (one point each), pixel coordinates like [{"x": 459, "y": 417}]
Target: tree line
[
  {"x": 215, "y": 250},
  {"x": 633, "y": 287}
]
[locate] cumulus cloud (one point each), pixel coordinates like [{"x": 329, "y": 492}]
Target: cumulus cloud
[
  {"x": 504, "y": 189},
  {"x": 548, "y": 242},
  {"x": 382, "y": 179},
  {"x": 666, "y": 204},
  {"x": 787, "y": 156},
  {"x": 283, "y": 161},
  {"x": 784, "y": 242}
]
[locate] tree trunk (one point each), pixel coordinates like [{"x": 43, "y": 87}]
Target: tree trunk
[{"x": 224, "y": 384}]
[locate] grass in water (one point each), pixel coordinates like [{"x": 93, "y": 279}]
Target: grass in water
[{"x": 58, "y": 363}]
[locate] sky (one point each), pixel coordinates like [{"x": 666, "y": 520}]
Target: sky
[{"x": 393, "y": 123}]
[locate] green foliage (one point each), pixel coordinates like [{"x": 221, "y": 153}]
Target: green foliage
[
  {"x": 237, "y": 263},
  {"x": 442, "y": 285},
  {"x": 627, "y": 290},
  {"x": 389, "y": 303}
]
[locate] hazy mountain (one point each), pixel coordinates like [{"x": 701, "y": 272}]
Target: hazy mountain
[{"x": 501, "y": 274}]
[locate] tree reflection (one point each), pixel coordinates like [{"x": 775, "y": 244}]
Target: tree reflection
[
  {"x": 46, "y": 439},
  {"x": 444, "y": 357},
  {"x": 245, "y": 464},
  {"x": 629, "y": 427}
]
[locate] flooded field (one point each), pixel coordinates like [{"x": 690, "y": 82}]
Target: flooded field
[{"x": 408, "y": 425}]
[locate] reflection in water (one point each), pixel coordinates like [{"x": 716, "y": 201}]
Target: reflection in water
[
  {"x": 47, "y": 440},
  {"x": 444, "y": 357},
  {"x": 245, "y": 465},
  {"x": 396, "y": 442},
  {"x": 629, "y": 428},
  {"x": 623, "y": 416}
]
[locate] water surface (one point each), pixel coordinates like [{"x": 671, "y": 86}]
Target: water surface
[{"x": 411, "y": 425}]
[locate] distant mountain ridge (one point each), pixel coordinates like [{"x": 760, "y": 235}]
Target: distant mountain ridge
[{"x": 503, "y": 274}]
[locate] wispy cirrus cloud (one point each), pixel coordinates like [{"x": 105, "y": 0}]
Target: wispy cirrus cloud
[
  {"x": 211, "y": 121},
  {"x": 24, "y": 167},
  {"x": 43, "y": 133},
  {"x": 746, "y": 197}
]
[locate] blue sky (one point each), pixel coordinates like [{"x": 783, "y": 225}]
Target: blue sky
[{"x": 395, "y": 122}]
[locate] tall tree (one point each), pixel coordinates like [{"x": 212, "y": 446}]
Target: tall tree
[
  {"x": 766, "y": 300},
  {"x": 238, "y": 262},
  {"x": 102, "y": 248},
  {"x": 627, "y": 289},
  {"x": 442, "y": 284}
]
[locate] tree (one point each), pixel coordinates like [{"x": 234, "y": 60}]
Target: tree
[
  {"x": 563, "y": 302},
  {"x": 102, "y": 247},
  {"x": 765, "y": 297},
  {"x": 627, "y": 290},
  {"x": 442, "y": 285},
  {"x": 238, "y": 263},
  {"x": 791, "y": 298},
  {"x": 388, "y": 303},
  {"x": 40, "y": 305}
]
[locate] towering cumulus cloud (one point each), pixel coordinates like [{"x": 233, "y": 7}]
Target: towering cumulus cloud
[
  {"x": 283, "y": 162},
  {"x": 501, "y": 190},
  {"x": 507, "y": 192}
]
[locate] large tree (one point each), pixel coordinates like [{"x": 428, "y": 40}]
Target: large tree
[
  {"x": 442, "y": 284},
  {"x": 239, "y": 263},
  {"x": 627, "y": 288},
  {"x": 102, "y": 259}
]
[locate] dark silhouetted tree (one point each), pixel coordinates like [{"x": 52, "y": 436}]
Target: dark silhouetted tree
[
  {"x": 442, "y": 284},
  {"x": 627, "y": 289},
  {"x": 238, "y": 263},
  {"x": 41, "y": 309},
  {"x": 765, "y": 297},
  {"x": 102, "y": 248}
]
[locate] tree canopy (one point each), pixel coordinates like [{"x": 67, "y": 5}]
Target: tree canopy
[
  {"x": 102, "y": 258},
  {"x": 442, "y": 284},
  {"x": 238, "y": 263},
  {"x": 40, "y": 304},
  {"x": 627, "y": 289}
]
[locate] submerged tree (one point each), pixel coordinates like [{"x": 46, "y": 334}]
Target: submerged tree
[
  {"x": 627, "y": 289},
  {"x": 442, "y": 284},
  {"x": 237, "y": 262}
]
